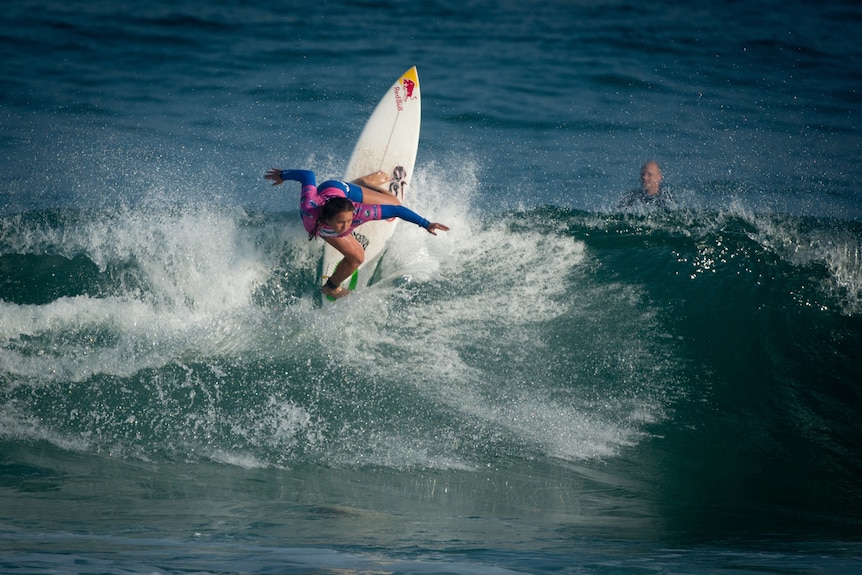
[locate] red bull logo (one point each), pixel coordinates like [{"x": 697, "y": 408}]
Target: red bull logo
[
  {"x": 409, "y": 86},
  {"x": 404, "y": 92}
]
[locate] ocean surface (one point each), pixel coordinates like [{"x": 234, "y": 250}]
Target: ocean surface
[{"x": 555, "y": 386}]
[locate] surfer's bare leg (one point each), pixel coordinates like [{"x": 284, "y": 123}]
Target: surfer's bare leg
[
  {"x": 377, "y": 180},
  {"x": 380, "y": 198},
  {"x": 375, "y": 189},
  {"x": 353, "y": 254}
]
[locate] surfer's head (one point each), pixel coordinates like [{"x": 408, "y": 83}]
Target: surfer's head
[{"x": 337, "y": 213}]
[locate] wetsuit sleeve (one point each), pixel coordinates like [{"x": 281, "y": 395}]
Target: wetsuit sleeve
[
  {"x": 387, "y": 212},
  {"x": 309, "y": 201},
  {"x": 304, "y": 177}
]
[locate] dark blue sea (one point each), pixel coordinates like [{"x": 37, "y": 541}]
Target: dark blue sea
[{"x": 555, "y": 386}]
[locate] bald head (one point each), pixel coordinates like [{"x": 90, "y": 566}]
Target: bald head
[{"x": 651, "y": 178}]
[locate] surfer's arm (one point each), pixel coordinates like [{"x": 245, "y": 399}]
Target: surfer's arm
[
  {"x": 304, "y": 177},
  {"x": 406, "y": 214},
  {"x": 387, "y": 211}
]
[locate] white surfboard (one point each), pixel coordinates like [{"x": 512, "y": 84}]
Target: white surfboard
[{"x": 388, "y": 143}]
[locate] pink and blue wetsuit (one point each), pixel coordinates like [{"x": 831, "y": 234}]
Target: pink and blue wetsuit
[{"x": 314, "y": 197}]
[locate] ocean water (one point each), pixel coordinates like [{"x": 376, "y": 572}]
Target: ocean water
[{"x": 554, "y": 386}]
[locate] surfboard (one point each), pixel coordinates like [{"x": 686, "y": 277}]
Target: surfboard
[{"x": 388, "y": 143}]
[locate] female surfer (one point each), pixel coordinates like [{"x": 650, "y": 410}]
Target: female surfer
[{"x": 334, "y": 209}]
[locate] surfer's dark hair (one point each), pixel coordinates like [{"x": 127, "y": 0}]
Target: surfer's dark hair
[{"x": 330, "y": 209}]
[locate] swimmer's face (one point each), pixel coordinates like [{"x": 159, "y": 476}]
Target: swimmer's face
[
  {"x": 341, "y": 222},
  {"x": 651, "y": 178}
]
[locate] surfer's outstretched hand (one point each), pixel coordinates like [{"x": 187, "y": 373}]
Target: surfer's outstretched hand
[
  {"x": 274, "y": 174},
  {"x": 432, "y": 228}
]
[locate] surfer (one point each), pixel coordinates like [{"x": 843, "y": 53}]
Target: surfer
[
  {"x": 651, "y": 191},
  {"x": 334, "y": 209}
]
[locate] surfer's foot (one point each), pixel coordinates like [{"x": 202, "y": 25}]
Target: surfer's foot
[
  {"x": 378, "y": 181},
  {"x": 378, "y": 178},
  {"x": 337, "y": 293}
]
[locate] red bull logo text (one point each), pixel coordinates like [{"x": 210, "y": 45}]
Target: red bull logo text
[{"x": 408, "y": 86}]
